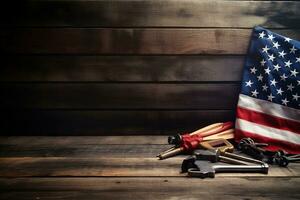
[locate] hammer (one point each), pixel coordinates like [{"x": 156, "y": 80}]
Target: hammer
[{"x": 203, "y": 169}]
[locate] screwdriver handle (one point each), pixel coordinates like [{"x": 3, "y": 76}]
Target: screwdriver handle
[{"x": 171, "y": 153}]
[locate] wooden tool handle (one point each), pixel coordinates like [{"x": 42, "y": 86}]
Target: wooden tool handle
[
  {"x": 207, "y": 128},
  {"x": 171, "y": 153},
  {"x": 213, "y": 129},
  {"x": 228, "y": 134},
  {"x": 214, "y": 137}
]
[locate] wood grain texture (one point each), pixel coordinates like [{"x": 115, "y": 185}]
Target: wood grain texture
[
  {"x": 84, "y": 150},
  {"x": 94, "y": 195},
  {"x": 127, "y": 41},
  {"x": 167, "y": 185},
  {"x": 82, "y": 167},
  {"x": 121, "y": 68},
  {"x": 149, "y": 188},
  {"x": 123, "y": 173},
  {"x": 114, "y": 166},
  {"x": 86, "y": 159},
  {"x": 145, "y": 13},
  {"x": 40, "y": 141},
  {"x": 119, "y": 96},
  {"x": 109, "y": 122}
]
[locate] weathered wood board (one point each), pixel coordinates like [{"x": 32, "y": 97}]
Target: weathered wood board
[
  {"x": 184, "y": 68},
  {"x": 103, "y": 67},
  {"x": 81, "y": 159},
  {"x": 122, "y": 167},
  {"x": 112, "y": 96},
  {"x": 128, "y": 41},
  {"x": 152, "y": 13},
  {"x": 57, "y": 122}
]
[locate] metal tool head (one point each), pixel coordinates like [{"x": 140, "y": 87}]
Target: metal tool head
[
  {"x": 203, "y": 169},
  {"x": 211, "y": 155},
  {"x": 188, "y": 163},
  {"x": 175, "y": 139},
  {"x": 221, "y": 144}
]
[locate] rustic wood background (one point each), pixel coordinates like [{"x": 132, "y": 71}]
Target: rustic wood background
[
  {"x": 123, "y": 167},
  {"x": 127, "y": 67}
]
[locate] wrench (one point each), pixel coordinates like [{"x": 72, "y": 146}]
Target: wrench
[{"x": 203, "y": 169}]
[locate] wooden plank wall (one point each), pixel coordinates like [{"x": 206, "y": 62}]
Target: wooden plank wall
[{"x": 127, "y": 67}]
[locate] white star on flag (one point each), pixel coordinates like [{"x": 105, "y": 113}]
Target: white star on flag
[
  {"x": 294, "y": 72},
  {"x": 270, "y": 97},
  {"x": 293, "y": 50},
  {"x": 267, "y": 71},
  {"x": 265, "y": 87},
  {"x": 273, "y": 82},
  {"x": 290, "y": 87},
  {"x": 253, "y": 70},
  {"x": 271, "y": 37},
  {"x": 277, "y": 67},
  {"x": 254, "y": 93},
  {"x": 288, "y": 64},
  {"x": 295, "y": 96},
  {"x": 286, "y": 39},
  {"x": 282, "y": 54},
  {"x": 262, "y": 62},
  {"x": 249, "y": 83},
  {"x": 271, "y": 57},
  {"x": 279, "y": 91},
  {"x": 260, "y": 77},
  {"x": 276, "y": 45},
  {"x": 284, "y": 101},
  {"x": 262, "y": 34},
  {"x": 265, "y": 49},
  {"x": 283, "y": 77}
]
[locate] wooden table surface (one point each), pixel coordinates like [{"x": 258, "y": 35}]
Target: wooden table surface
[{"x": 122, "y": 167}]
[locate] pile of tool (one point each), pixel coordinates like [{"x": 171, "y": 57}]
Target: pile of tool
[
  {"x": 190, "y": 141},
  {"x": 210, "y": 145}
]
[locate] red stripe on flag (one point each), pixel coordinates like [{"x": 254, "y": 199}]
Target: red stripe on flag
[
  {"x": 268, "y": 120},
  {"x": 276, "y": 144}
]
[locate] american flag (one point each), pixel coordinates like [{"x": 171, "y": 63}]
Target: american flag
[{"x": 268, "y": 109}]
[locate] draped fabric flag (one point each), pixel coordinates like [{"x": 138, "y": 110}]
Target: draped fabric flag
[{"x": 268, "y": 109}]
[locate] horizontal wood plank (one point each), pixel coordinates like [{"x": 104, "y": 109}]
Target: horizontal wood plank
[
  {"x": 127, "y": 41},
  {"x": 289, "y": 192},
  {"x": 40, "y": 141},
  {"x": 83, "y": 150},
  {"x": 113, "y": 166},
  {"x": 119, "y": 96},
  {"x": 150, "y": 188},
  {"x": 82, "y": 167},
  {"x": 110, "y": 122},
  {"x": 127, "y": 176},
  {"x": 121, "y": 68},
  {"x": 85, "y": 159},
  {"x": 71, "y": 159},
  {"x": 151, "y": 13}
]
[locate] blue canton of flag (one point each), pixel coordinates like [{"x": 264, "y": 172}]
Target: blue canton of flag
[
  {"x": 272, "y": 70},
  {"x": 268, "y": 109}
]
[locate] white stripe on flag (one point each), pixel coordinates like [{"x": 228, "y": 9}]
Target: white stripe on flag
[
  {"x": 267, "y": 131},
  {"x": 268, "y": 108}
]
